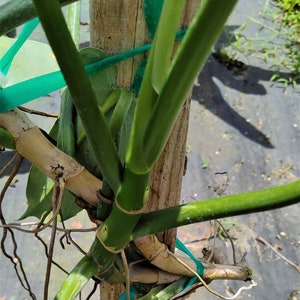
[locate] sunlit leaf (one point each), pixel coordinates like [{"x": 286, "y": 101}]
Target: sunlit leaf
[
  {"x": 103, "y": 82},
  {"x": 39, "y": 197}
]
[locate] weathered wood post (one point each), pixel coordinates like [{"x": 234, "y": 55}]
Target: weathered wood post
[{"x": 119, "y": 25}]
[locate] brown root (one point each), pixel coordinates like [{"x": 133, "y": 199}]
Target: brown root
[{"x": 160, "y": 256}]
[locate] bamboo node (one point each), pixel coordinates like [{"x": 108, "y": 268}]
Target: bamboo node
[
  {"x": 98, "y": 275},
  {"x": 127, "y": 212},
  {"x": 108, "y": 248},
  {"x": 104, "y": 199}
]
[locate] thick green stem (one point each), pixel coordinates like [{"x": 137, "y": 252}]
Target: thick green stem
[
  {"x": 155, "y": 74},
  {"x": 211, "y": 209},
  {"x": 114, "y": 233},
  {"x": 15, "y": 13},
  {"x": 189, "y": 59},
  {"x": 116, "y": 230},
  {"x": 81, "y": 90},
  {"x": 164, "y": 41},
  {"x": 162, "y": 96}
]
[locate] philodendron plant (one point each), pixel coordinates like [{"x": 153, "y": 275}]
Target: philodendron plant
[{"x": 107, "y": 140}]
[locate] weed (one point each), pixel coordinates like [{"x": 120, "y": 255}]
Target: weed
[
  {"x": 276, "y": 40},
  {"x": 290, "y": 12}
]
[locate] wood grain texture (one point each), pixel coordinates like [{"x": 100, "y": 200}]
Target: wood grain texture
[{"x": 117, "y": 26}]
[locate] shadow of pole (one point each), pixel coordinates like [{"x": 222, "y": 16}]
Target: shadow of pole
[{"x": 210, "y": 96}]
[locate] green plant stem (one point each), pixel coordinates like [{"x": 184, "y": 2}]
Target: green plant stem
[
  {"x": 126, "y": 211},
  {"x": 15, "y": 13},
  {"x": 159, "y": 105},
  {"x": 190, "y": 57},
  {"x": 164, "y": 41},
  {"x": 211, "y": 209},
  {"x": 114, "y": 234},
  {"x": 158, "y": 60},
  {"x": 73, "y": 21},
  {"x": 83, "y": 96}
]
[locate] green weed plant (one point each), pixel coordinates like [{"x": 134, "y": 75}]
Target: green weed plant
[{"x": 276, "y": 41}]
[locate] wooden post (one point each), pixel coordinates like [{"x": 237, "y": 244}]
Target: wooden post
[{"x": 116, "y": 26}]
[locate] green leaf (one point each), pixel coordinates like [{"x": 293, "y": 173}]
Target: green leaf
[
  {"x": 146, "y": 100},
  {"x": 152, "y": 294},
  {"x": 6, "y": 139},
  {"x": 86, "y": 157},
  {"x": 165, "y": 293},
  {"x": 66, "y": 130},
  {"x": 124, "y": 133},
  {"x": 173, "y": 289},
  {"x": 120, "y": 111},
  {"x": 73, "y": 21},
  {"x": 121, "y": 118},
  {"x": 39, "y": 191},
  {"x": 39, "y": 197},
  {"x": 77, "y": 279},
  {"x": 103, "y": 82}
]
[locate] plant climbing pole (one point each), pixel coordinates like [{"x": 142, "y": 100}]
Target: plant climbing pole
[{"x": 117, "y": 26}]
